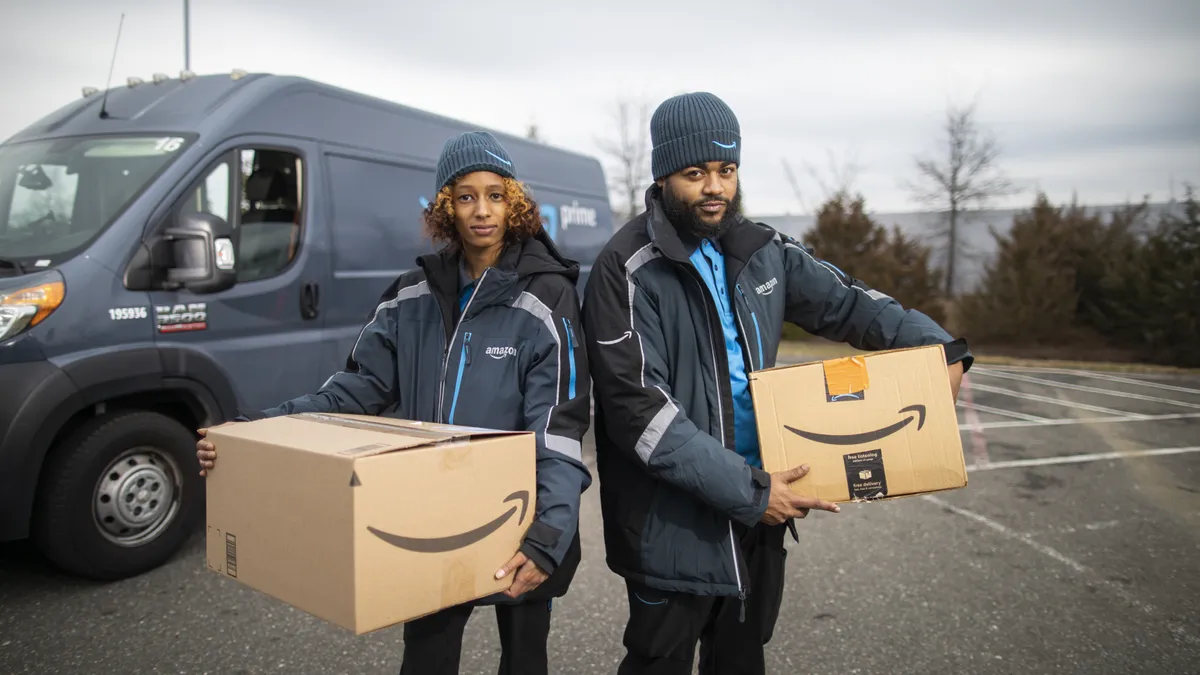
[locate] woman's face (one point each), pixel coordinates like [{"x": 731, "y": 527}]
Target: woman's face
[{"x": 480, "y": 212}]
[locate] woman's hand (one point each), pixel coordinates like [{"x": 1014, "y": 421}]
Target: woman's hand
[{"x": 529, "y": 575}]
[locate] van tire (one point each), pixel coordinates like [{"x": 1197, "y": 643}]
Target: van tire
[{"x": 153, "y": 450}]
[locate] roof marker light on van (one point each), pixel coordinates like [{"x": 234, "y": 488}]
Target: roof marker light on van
[
  {"x": 90, "y": 91},
  {"x": 185, "y": 75},
  {"x": 237, "y": 74},
  {"x": 134, "y": 81},
  {"x": 159, "y": 78}
]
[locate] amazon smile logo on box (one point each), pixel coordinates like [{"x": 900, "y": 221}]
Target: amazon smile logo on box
[{"x": 872, "y": 426}]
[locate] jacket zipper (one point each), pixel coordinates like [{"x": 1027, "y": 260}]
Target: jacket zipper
[
  {"x": 708, "y": 318},
  {"x": 738, "y": 573},
  {"x": 735, "y": 550},
  {"x": 464, "y": 360},
  {"x": 757, "y": 331},
  {"x": 453, "y": 337},
  {"x": 570, "y": 356}
]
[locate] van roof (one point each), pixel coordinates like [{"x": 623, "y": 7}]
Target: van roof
[{"x": 262, "y": 103}]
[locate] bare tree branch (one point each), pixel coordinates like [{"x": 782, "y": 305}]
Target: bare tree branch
[
  {"x": 838, "y": 182},
  {"x": 965, "y": 176},
  {"x": 629, "y": 152}
]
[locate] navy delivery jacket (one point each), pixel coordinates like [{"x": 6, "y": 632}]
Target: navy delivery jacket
[{"x": 512, "y": 358}]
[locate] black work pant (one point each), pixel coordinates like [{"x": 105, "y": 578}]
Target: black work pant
[
  {"x": 663, "y": 628},
  {"x": 433, "y": 644}
]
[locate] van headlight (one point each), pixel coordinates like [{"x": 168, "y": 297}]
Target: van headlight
[{"x": 29, "y": 306}]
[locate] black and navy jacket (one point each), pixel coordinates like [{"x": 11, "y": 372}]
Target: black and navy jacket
[
  {"x": 512, "y": 359},
  {"x": 671, "y": 483}
]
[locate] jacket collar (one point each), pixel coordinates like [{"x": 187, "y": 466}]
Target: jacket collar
[{"x": 519, "y": 261}]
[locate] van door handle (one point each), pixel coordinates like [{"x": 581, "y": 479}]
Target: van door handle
[{"x": 310, "y": 299}]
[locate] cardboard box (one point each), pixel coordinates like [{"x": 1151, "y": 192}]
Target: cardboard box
[
  {"x": 367, "y": 522},
  {"x": 872, "y": 426}
]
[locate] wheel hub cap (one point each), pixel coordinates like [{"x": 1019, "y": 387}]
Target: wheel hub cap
[{"x": 137, "y": 496}]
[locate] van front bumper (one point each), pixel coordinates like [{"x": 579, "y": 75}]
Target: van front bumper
[{"x": 32, "y": 397}]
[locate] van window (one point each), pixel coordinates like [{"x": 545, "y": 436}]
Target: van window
[
  {"x": 377, "y": 214},
  {"x": 211, "y": 195},
  {"x": 57, "y": 196},
  {"x": 269, "y": 213}
]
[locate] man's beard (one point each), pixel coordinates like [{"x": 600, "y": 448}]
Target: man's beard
[{"x": 686, "y": 217}]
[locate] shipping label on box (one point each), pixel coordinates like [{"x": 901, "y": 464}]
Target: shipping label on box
[
  {"x": 367, "y": 522},
  {"x": 871, "y": 426}
]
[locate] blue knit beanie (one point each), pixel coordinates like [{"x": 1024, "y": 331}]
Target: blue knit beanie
[
  {"x": 691, "y": 129},
  {"x": 472, "y": 151}
]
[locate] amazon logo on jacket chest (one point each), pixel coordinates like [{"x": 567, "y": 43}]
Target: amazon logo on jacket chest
[{"x": 872, "y": 426}]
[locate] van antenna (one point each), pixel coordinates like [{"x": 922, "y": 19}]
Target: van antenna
[{"x": 104, "y": 101}]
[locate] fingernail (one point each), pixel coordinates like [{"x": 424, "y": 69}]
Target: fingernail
[
  {"x": 500, "y": 574},
  {"x": 804, "y": 466}
]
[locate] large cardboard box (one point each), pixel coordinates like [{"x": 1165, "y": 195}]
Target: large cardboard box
[
  {"x": 367, "y": 522},
  {"x": 870, "y": 426}
]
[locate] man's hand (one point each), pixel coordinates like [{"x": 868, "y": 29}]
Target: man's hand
[
  {"x": 205, "y": 453},
  {"x": 956, "y": 376},
  {"x": 529, "y": 575},
  {"x": 783, "y": 504}
]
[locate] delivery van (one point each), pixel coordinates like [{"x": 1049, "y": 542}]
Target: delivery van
[{"x": 175, "y": 250}]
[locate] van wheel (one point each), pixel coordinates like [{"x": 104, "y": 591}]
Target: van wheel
[{"x": 116, "y": 497}]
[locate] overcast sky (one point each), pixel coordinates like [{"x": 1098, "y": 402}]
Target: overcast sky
[{"x": 1099, "y": 98}]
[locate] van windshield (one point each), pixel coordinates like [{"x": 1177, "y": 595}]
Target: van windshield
[{"x": 56, "y": 196}]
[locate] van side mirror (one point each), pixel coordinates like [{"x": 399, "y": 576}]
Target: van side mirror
[{"x": 202, "y": 253}]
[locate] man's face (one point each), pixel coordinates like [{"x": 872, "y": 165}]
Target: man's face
[{"x": 704, "y": 200}]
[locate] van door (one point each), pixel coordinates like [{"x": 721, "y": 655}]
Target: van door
[
  {"x": 375, "y": 205},
  {"x": 266, "y": 331}
]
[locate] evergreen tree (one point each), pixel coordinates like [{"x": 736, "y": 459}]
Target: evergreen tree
[
  {"x": 1028, "y": 294},
  {"x": 848, "y": 238},
  {"x": 1151, "y": 298}
]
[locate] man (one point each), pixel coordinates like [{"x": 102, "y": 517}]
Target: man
[{"x": 682, "y": 303}]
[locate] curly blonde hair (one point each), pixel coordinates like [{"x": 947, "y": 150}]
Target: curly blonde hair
[{"x": 524, "y": 218}]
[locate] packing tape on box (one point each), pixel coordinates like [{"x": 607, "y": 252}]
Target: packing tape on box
[{"x": 846, "y": 375}]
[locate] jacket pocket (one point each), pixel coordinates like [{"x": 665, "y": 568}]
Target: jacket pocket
[
  {"x": 685, "y": 540},
  {"x": 488, "y": 386}
]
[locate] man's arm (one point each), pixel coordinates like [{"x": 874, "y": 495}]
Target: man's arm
[
  {"x": 369, "y": 383},
  {"x": 827, "y": 302},
  {"x": 625, "y": 346},
  {"x": 557, "y": 407}
]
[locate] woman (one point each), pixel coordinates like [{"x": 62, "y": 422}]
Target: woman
[{"x": 483, "y": 333}]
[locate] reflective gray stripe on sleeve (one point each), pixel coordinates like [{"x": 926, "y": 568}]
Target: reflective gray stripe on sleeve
[
  {"x": 406, "y": 293},
  {"x": 872, "y": 293},
  {"x": 530, "y": 303},
  {"x": 654, "y": 431},
  {"x": 568, "y": 447},
  {"x": 640, "y": 257}
]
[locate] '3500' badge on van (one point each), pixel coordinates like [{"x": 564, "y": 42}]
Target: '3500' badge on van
[{"x": 180, "y": 318}]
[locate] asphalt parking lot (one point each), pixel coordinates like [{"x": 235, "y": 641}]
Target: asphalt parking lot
[{"x": 1074, "y": 549}]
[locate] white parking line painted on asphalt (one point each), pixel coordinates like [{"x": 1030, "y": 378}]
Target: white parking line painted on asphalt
[
  {"x": 1058, "y": 556},
  {"x": 1084, "y": 388},
  {"x": 1046, "y": 399},
  {"x": 1092, "y": 374},
  {"x": 1079, "y": 420},
  {"x": 1002, "y": 412},
  {"x": 1079, "y": 459}
]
